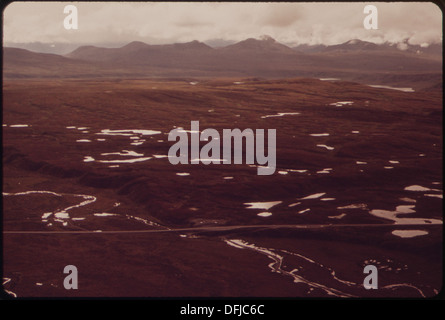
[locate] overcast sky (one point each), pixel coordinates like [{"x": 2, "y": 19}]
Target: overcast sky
[{"x": 158, "y": 23}]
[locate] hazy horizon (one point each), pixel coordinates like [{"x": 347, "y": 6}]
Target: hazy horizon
[
  {"x": 218, "y": 24},
  {"x": 65, "y": 48}
]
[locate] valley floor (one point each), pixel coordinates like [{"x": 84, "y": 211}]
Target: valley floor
[{"x": 87, "y": 182}]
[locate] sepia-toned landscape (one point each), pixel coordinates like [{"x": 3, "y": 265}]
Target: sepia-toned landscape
[{"x": 358, "y": 180}]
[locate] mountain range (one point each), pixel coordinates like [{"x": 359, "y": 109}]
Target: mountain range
[
  {"x": 357, "y": 45},
  {"x": 354, "y": 60}
]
